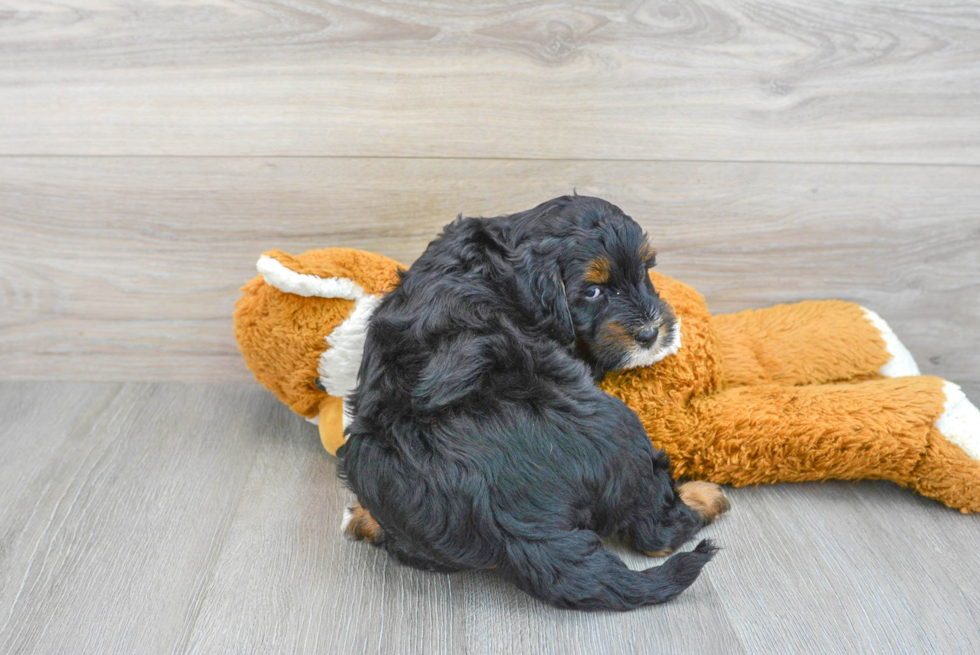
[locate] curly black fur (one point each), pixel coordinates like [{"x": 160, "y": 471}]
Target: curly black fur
[{"x": 480, "y": 439}]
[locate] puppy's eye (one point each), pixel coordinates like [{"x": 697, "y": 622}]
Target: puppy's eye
[{"x": 593, "y": 292}]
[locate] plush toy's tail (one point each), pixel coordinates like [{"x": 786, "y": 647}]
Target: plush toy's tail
[{"x": 574, "y": 571}]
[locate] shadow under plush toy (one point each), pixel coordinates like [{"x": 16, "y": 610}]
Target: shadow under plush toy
[{"x": 811, "y": 391}]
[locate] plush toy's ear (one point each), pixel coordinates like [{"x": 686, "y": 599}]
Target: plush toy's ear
[{"x": 329, "y": 273}]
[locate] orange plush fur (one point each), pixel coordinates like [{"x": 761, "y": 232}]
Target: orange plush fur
[
  {"x": 282, "y": 334},
  {"x": 793, "y": 393},
  {"x": 788, "y": 393}
]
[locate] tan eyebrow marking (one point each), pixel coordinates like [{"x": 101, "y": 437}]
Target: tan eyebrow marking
[{"x": 597, "y": 272}]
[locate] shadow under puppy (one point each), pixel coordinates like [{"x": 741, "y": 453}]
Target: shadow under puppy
[{"x": 479, "y": 438}]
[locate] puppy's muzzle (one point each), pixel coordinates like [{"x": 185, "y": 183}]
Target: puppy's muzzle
[
  {"x": 647, "y": 336},
  {"x": 653, "y": 343}
]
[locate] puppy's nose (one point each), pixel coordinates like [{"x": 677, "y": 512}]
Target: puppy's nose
[{"x": 647, "y": 336}]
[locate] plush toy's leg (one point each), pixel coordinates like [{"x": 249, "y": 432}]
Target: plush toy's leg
[
  {"x": 331, "y": 424},
  {"x": 812, "y": 342},
  {"x": 915, "y": 431},
  {"x": 952, "y": 459},
  {"x": 901, "y": 363}
]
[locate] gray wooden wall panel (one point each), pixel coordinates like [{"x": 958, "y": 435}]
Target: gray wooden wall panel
[
  {"x": 745, "y": 80},
  {"x": 127, "y": 269}
]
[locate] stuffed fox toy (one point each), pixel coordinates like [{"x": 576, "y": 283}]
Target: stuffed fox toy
[{"x": 811, "y": 391}]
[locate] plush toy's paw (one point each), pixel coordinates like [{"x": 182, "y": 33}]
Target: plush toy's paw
[
  {"x": 901, "y": 363},
  {"x": 331, "y": 422},
  {"x": 960, "y": 420},
  {"x": 705, "y": 498},
  {"x": 949, "y": 470}
]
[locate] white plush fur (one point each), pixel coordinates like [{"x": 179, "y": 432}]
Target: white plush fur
[
  {"x": 340, "y": 362},
  {"x": 302, "y": 284},
  {"x": 902, "y": 363},
  {"x": 960, "y": 421},
  {"x": 666, "y": 346}
]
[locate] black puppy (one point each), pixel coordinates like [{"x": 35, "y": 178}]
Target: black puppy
[{"x": 480, "y": 439}]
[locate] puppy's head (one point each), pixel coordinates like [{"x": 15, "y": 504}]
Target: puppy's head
[{"x": 603, "y": 260}]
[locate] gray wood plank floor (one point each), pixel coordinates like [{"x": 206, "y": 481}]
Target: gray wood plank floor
[{"x": 203, "y": 518}]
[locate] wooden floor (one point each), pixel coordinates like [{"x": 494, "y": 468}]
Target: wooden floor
[
  {"x": 204, "y": 518},
  {"x": 154, "y": 499}
]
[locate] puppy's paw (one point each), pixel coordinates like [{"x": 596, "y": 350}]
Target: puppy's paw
[
  {"x": 358, "y": 524},
  {"x": 705, "y": 498},
  {"x": 658, "y": 553}
]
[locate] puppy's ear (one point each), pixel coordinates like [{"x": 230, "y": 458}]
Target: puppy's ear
[{"x": 544, "y": 288}]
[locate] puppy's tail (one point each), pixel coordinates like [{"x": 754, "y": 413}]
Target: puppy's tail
[{"x": 575, "y": 571}]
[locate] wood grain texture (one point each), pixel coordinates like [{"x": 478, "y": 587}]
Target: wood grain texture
[
  {"x": 288, "y": 582},
  {"x": 695, "y": 622},
  {"x": 178, "y": 518},
  {"x": 127, "y": 269},
  {"x": 841, "y": 567},
  {"x": 746, "y": 80},
  {"x": 109, "y": 546},
  {"x": 48, "y": 412}
]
